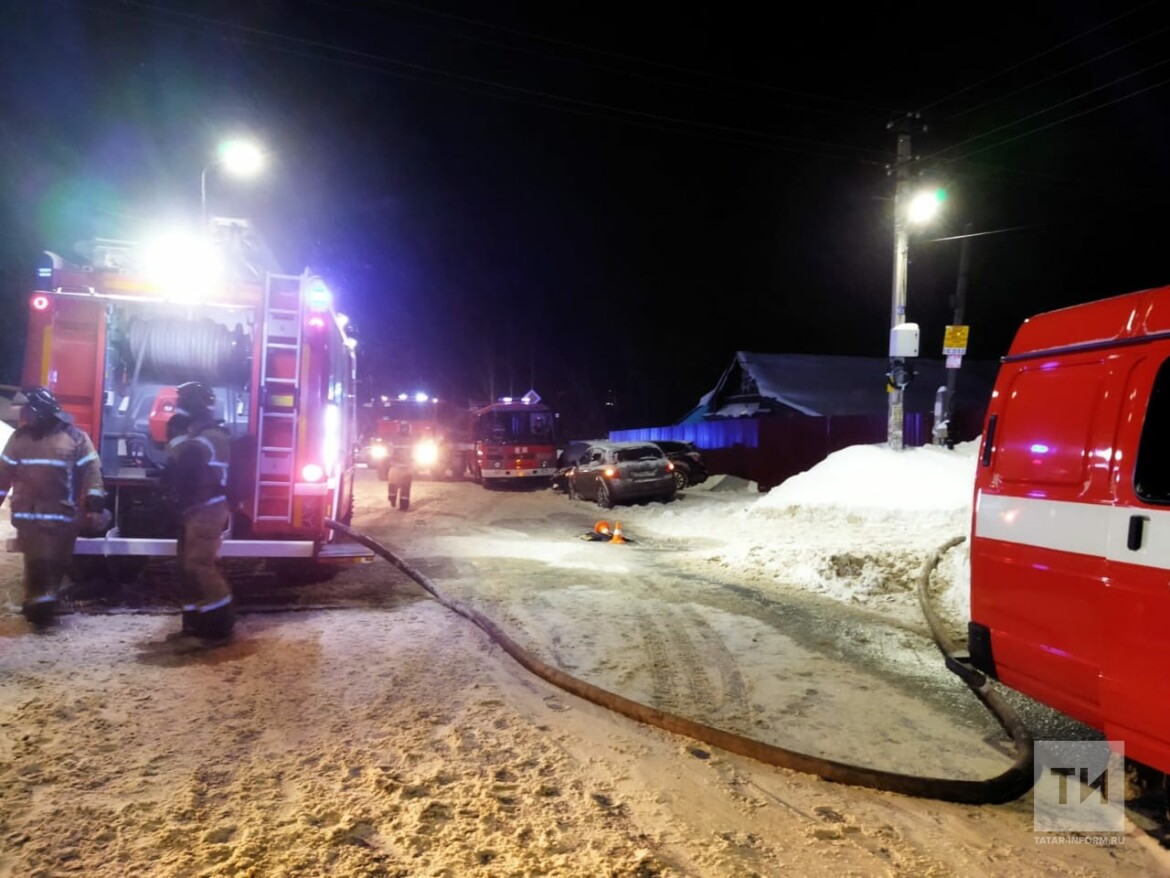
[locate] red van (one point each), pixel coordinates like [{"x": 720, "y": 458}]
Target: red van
[{"x": 1070, "y": 540}]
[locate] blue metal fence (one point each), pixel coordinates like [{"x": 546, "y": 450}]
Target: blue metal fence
[{"x": 771, "y": 449}]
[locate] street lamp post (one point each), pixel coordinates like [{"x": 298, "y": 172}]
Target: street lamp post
[
  {"x": 894, "y": 412},
  {"x": 240, "y": 157},
  {"x": 917, "y": 209}
]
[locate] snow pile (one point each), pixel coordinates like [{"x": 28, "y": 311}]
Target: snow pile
[{"x": 874, "y": 479}]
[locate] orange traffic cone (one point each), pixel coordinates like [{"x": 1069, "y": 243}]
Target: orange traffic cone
[
  {"x": 617, "y": 533},
  {"x": 602, "y": 527}
]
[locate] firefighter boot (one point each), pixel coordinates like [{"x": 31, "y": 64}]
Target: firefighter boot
[
  {"x": 40, "y": 612},
  {"x": 40, "y": 602},
  {"x": 211, "y": 624}
]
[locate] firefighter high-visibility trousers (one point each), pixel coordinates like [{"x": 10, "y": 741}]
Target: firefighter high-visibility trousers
[
  {"x": 198, "y": 548},
  {"x": 48, "y": 555}
]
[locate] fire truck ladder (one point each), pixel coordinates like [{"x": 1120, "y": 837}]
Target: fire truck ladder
[{"x": 280, "y": 367}]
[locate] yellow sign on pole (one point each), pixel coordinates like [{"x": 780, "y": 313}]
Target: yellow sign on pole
[{"x": 955, "y": 340}]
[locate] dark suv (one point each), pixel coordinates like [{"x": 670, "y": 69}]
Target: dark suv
[{"x": 689, "y": 468}]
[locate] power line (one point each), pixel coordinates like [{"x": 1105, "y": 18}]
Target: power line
[
  {"x": 532, "y": 95},
  {"x": 983, "y": 234},
  {"x": 1073, "y": 116},
  {"x": 1048, "y": 109},
  {"x": 1038, "y": 55},
  {"x": 1059, "y": 73},
  {"x": 637, "y": 59},
  {"x": 617, "y": 71}
]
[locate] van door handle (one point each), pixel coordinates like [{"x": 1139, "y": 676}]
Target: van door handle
[{"x": 1137, "y": 529}]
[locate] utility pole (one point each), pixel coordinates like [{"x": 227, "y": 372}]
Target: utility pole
[
  {"x": 901, "y": 265},
  {"x": 960, "y": 305}
]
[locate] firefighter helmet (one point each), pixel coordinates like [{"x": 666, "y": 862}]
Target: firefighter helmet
[
  {"x": 195, "y": 397},
  {"x": 41, "y": 404}
]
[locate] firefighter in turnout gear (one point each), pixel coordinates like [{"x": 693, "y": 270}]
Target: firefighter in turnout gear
[
  {"x": 55, "y": 477},
  {"x": 196, "y": 477}
]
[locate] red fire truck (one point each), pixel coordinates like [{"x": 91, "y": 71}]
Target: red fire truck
[
  {"x": 113, "y": 339},
  {"x": 515, "y": 440},
  {"x": 436, "y": 434},
  {"x": 1070, "y": 541}
]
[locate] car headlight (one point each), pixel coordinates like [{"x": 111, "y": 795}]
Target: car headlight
[
  {"x": 378, "y": 452},
  {"x": 426, "y": 452}
]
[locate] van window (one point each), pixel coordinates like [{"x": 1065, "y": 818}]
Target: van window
[
  {"x": 1043, "y": 433},
  {"x": 1151, "y": 473}
]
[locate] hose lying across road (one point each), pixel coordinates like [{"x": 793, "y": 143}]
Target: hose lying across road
[{"x": 1009, "y": 785}]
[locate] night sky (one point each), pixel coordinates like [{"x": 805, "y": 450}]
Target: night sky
[{"x": 604, "y": 201}]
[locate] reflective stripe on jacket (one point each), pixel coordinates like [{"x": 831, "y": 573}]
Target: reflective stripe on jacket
[{"x": 49, "y": 474}]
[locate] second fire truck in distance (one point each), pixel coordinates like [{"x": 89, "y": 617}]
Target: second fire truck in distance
[
  {"x": 515, "y": 441},
  {"x": 432, "y": 435}
]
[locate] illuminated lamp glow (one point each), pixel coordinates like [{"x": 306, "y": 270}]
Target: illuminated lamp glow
[
  {"x": 426, "y": 453},
  {"x": 317, "y": 322},
  {"x": 351, "y": 343},
  {"x": 420, "y": 397},
  {"x": 1039, "y": 448},
  {"x": 402, "y": 397},
  {"x": 319, "y": 298},
  {"x": 670, "y": 466},
  {"x": 312, "y": 472},
  {"x": 241, "y": 157},
  {"x": 505, "y": 399},
  {"x": 925, "y": 205},
  {"x": 378, "y": 452},
  {"x": 609, "y": 472},
  {"x": 39, "y": 302},
  {"x": 185, "y": 267}
]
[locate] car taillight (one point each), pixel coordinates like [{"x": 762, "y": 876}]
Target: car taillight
[
  {"x": 609, "y": 472},
  {"x": 670, "y": 466}
]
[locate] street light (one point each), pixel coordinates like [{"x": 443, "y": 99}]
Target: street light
[
  {"x": 242, "y": 158},
  {"x": 917, "y": 208}
]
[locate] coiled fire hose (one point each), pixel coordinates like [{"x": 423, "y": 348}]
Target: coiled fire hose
[{"x": 1005, "y": 787}]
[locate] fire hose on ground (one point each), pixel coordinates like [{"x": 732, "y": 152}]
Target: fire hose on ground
[{"x": 1005, "y": 787}]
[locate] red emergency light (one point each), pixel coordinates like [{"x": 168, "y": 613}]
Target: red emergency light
[{"x": 39, "y": 302}]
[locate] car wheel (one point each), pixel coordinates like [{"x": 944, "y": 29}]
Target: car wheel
[
  {"x": 680, "y": 479},
  {"x": 604, "y": 497}
]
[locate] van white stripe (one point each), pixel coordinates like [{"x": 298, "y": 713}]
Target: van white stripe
[{"x": 1078, "y": 528}]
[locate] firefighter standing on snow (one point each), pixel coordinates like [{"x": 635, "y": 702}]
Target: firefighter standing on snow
[
  {"x": 55, "y": 477},
  {"x": 196, "y": 475}
]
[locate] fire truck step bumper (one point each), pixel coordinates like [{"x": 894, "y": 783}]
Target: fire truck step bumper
[{"x": 161, "y": 548}]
